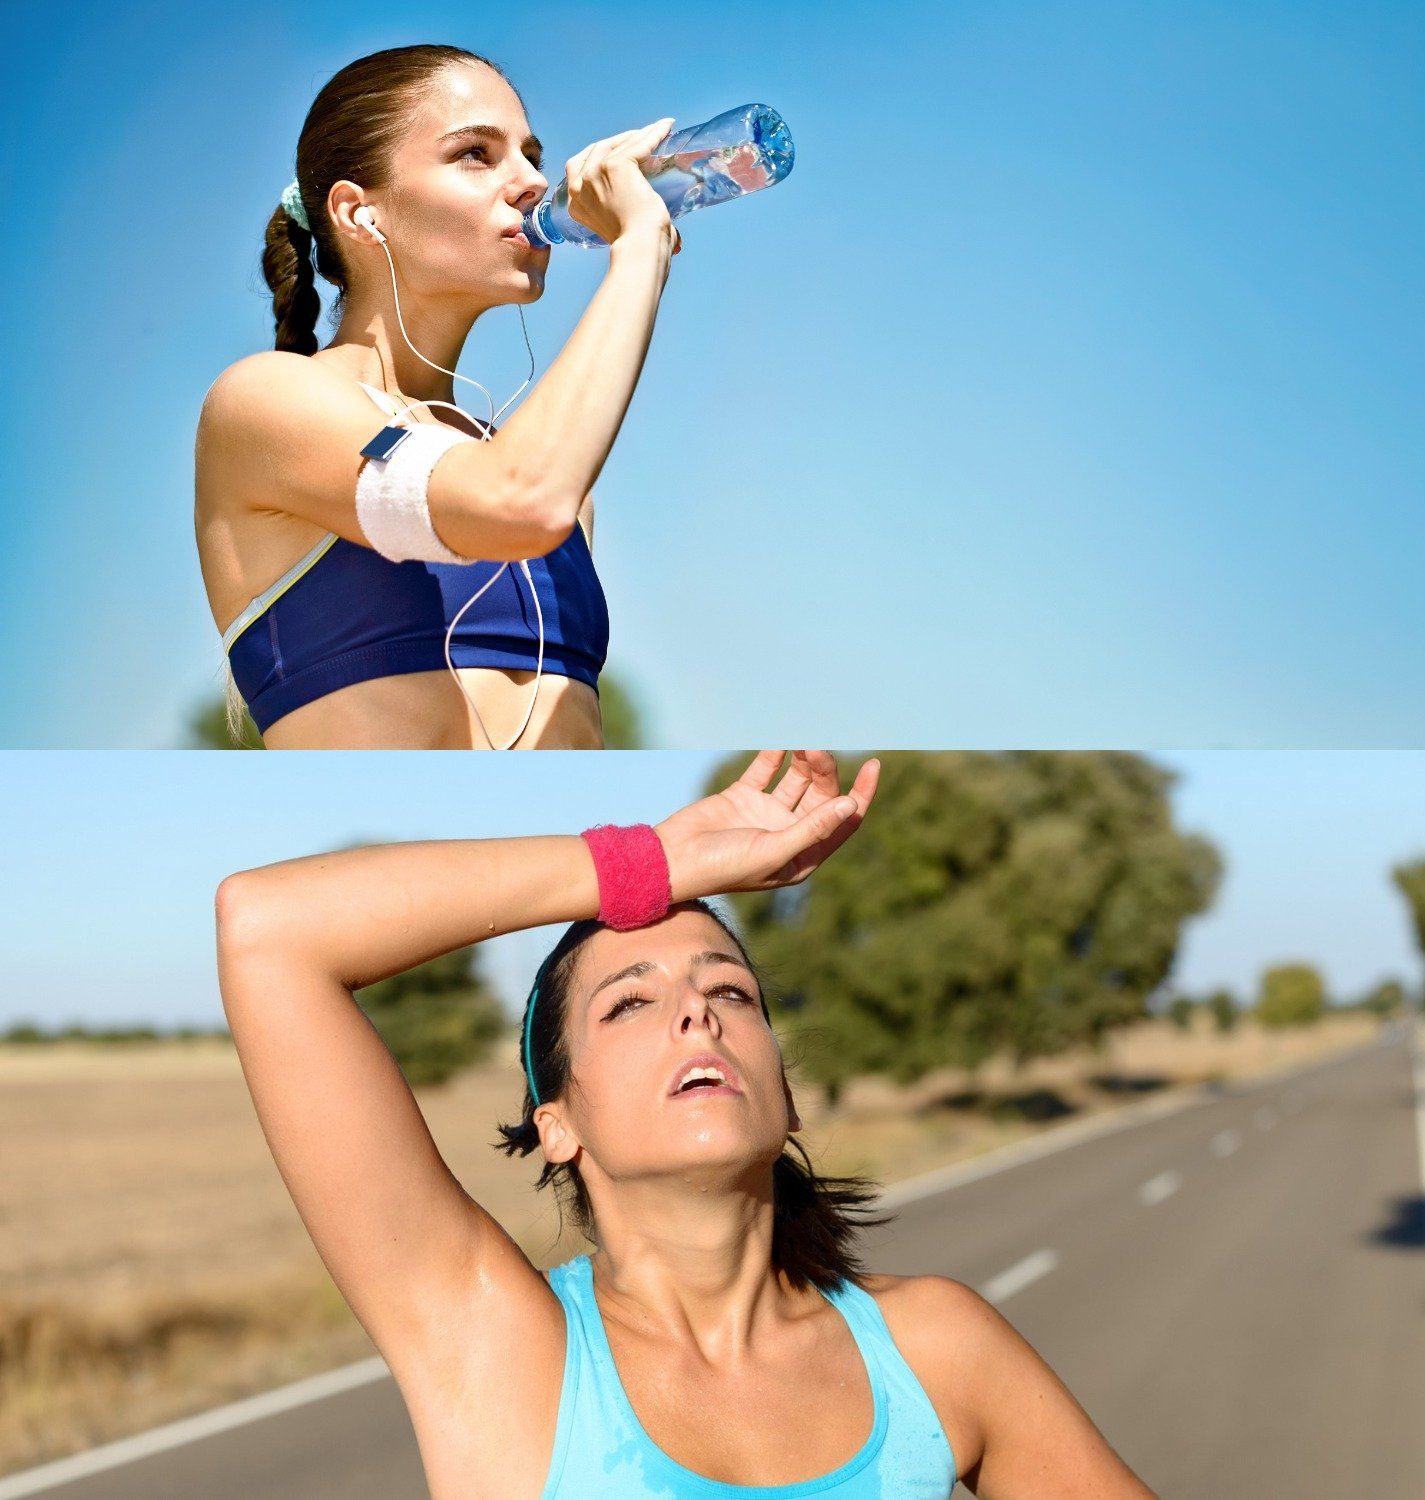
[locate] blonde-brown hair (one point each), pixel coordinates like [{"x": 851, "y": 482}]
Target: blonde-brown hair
[{"x": 350, "y": 134}]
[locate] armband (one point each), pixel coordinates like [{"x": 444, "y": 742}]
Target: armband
[{"x": 392, "y": 507}]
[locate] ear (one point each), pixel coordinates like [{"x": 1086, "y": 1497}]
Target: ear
[
  {"x": 558, "y": 1140},
  {"x": 342, "y": 202}
]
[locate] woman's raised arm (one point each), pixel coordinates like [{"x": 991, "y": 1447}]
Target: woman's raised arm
[
  {"x": 394, "y": 1227},
  {"x": 286, "y": 433},
  {"x": 402, "y": 1239}
]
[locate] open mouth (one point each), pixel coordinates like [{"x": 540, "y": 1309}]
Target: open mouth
[
  {"x": 710, "y": 1077},
  {"x": 701, "y": 1087}
]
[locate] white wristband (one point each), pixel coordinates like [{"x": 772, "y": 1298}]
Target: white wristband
[{"x": 392, "y": 507}]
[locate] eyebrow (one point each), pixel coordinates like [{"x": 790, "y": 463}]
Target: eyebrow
[
  {"x": 490, "y": 133},
  {"x": 645, "y": 966}
]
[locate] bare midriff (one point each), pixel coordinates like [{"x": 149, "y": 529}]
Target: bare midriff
[{"x": 427, "y": 711}]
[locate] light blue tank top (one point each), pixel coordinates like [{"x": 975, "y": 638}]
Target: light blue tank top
[{"x": 601, "y": 1451}]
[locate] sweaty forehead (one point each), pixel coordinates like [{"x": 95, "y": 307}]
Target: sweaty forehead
[{"x": 670, "y": 944}]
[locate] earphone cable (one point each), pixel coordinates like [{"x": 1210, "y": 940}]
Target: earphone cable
[{"x": 524, "y": 564}]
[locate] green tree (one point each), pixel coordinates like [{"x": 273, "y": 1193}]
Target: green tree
[
  {"x": 1021, "y": 901},
  {"x": 1180, "y": 1012},
  {"x": 436, "y": 1018},
  {"x": 621, "y": 715},
  {"x": 1222, "y": 1007},
  {"x": 1385, "y": 999},
  {"x": 207, "y": 729},
  {"x": 1291, "y": 995},
  {"x": 1410, "y": 879}
]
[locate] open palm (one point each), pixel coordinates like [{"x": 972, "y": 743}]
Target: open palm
[{"x": 755, "y": 836}]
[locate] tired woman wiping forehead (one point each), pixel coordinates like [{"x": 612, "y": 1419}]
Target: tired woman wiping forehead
[{"x": 721, "y": 1339}]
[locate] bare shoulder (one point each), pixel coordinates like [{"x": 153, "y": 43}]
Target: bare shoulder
[
  {"x": 944, "y": 1328},
  {"x": 941, "y": 1327},
  {"x": 939, "y": 1304},
  {"x": 1013, "y": 1424},
  {"x": 243, "y": 407},
  {"x": 282, "y": 432},
  {"x": 271, "y": 379}
]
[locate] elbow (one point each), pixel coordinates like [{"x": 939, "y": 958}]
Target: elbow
[
  {"x": 541, "y": 522},
  {"x": 535, "y": 513},
  {"x": 241, "y": 914},
  {"x": 554, "y": 529},
  {"x": 521, "y": 526}
]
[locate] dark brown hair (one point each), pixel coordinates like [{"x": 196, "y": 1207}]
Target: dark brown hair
[
  {"x": 813, "y": 1218},
  {"x": 350, "y": 134}
]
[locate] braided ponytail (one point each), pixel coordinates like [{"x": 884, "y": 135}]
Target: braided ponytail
[
  {"x": 351, "y": 133},
  {"x": 287, "y": 268}
]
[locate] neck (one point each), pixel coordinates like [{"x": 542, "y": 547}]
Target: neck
[
  {"x": 370, "y": 346},
  {"x": 676, "y": 1255}
]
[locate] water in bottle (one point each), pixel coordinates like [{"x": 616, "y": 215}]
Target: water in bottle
[{"x": 731, "y": 155}]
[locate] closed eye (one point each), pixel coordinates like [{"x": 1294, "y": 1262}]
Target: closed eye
[{"x": 621, "y": 1004}]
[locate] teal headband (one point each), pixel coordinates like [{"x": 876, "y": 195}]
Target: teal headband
[
  {"x": 292, "y": 202},
  {"x": 528, "y": 1021}
]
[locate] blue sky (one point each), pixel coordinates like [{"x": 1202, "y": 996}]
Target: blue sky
[
  {"x": 113, "y": 858},
  {"x": 1062, "y": 395}
]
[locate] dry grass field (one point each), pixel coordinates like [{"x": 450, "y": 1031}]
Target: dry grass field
[{"x": 152, "y": 1265}]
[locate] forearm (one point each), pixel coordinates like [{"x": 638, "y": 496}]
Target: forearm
[
  {"x": 557, "y": 442},
  {"x": 361, "y": 915}
]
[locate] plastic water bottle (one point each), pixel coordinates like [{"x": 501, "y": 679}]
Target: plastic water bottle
[{"x": 731, "y": 155}]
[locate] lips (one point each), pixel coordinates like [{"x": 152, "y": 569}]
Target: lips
[{"x": 706, "y": 1060}]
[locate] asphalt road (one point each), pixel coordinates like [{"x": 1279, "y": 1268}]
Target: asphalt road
[{"x": 1234, "y": 1290}]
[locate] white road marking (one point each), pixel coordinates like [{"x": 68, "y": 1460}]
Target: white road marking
[
  {"x": 1225, "y": 1142},
  {"x": 1164, "y": 1185},
  {"x": 192, "y": 1429},
  {"x": 1021, "y": 1274},
  {"x": 1077, "y": 1132}
]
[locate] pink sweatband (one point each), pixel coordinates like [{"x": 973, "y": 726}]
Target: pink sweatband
[{"x": 632, "y": 869}]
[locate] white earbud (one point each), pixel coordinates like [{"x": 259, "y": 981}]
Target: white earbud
[{"x": 366, "y": 219}]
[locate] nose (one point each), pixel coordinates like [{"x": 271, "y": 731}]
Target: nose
[
  {"x": 534, "y": 187},
  {"x": 695, "y": 1010}
]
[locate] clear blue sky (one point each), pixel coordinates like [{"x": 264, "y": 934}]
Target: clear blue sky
[
  {"x": 112, "y": 858},
  {"x": 1063, "y": 394}
]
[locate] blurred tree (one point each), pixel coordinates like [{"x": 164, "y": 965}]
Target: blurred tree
[
  {"x": 1180, "y": 1012},
  {"x": 436, "y": 1018},
  {"x": 1385, "y": 999},
  {"x": 1291, "y": 995},
  {"x": 207, "y": 726},
  {"x": 1223, "y": 1008},
  {"x": 621, "y": 715},
  {"x": 1410, "y": 878},
  {"x": 1019, "y": 901},
  {"x": 207, "y": 729}
]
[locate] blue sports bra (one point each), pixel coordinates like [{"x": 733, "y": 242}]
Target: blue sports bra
[
  {"x": 345, "y": 614},
  {"x": 601, "y": 1451}
]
